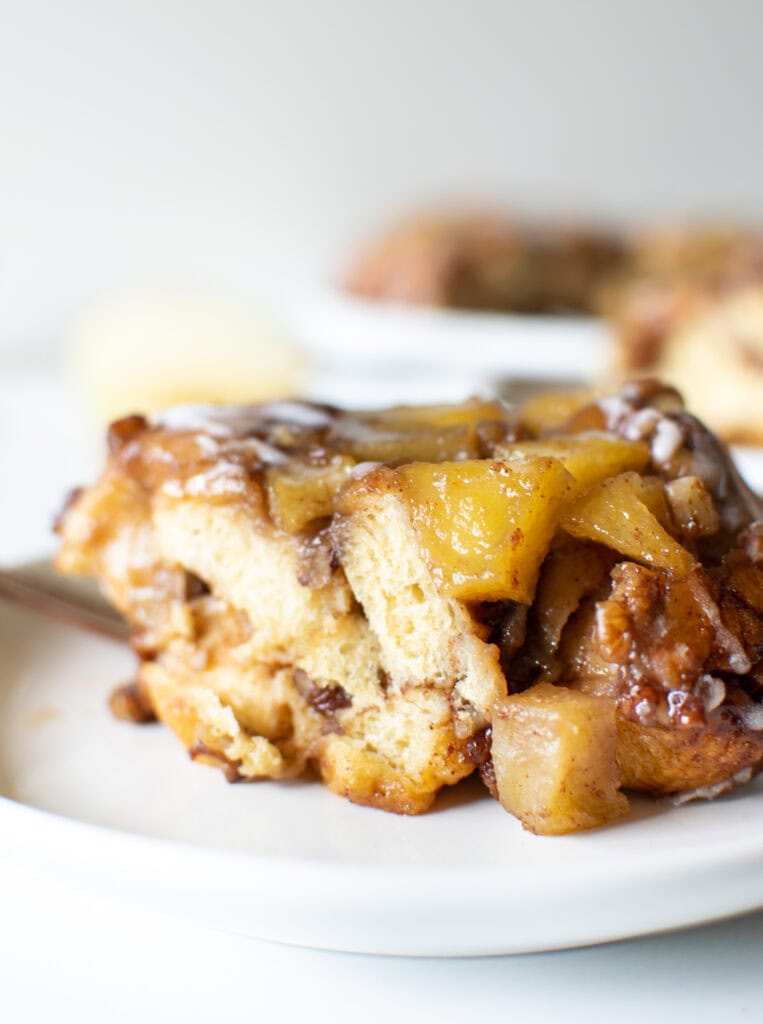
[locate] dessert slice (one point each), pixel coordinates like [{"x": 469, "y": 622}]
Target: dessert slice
[
  {"x": 487, "y": 261},
  {"x": 396, "y": 599},
  {"x": 691, "y": 311}
]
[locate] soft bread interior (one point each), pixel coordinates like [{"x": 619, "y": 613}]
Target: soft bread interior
[{"x": 372, "y": 677}]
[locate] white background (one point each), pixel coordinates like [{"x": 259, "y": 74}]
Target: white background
[
  {"x": 225, "y": 142},
  {"x": 71, "y": 958}
]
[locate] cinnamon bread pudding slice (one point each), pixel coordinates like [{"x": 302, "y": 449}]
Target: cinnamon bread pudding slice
[{"x": 567, "y": 599}]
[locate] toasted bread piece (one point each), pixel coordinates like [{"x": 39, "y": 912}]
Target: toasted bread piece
[{"x": 251, "y": 664}]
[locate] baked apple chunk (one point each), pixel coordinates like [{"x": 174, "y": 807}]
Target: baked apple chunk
[
  {"x": 567, "y": 599},
  {"x": 484, "y": 526},
  {"x": 555, "y": 759}
]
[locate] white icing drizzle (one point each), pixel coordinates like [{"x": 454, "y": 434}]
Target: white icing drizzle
[
  {"x": 664, "y": 435},
  {"x": 641, "y": 424},
  {"x": 362, "y": 469},
  {"x": 219, "y": 480},
  {"x": 711, "y": 691},
  {"x": 615, "y": 409},
  {"x": 302, "y": 414},
  {"x": 239, "y": 420},
  {"x": 710, "y": 792},
  {"x": 740, "y": 664},
  {"x": 252, "y": 448},
  {"x": 217, "y": 420},
  {"x": 644, "y": 712},
  {"x": 208, "y": 446},
  {"x": 751, "y": 716},
  {"x": 666, "y": 440}
]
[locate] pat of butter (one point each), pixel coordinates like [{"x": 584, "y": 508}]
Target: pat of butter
[{"x": 144, "y": 352}]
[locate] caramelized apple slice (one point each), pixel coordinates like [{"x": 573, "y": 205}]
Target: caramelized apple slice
[
  {"x": 547, "y": 412},
  {"x": 300, "y": 493},
  {"x": 554, "y": 754},
  {"x": 427, "y": 433},
  {"x": 589, "y": 458},
  {"x": 374, "y": 439},
  {"x": 468, "y": 413},
  {"x": 614, "y": 513},
  {"x": 484, "y": 526},
  {"x": 651, "y": 490}
]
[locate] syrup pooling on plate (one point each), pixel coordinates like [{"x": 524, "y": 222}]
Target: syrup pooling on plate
[{"x": 466, "y": 577}]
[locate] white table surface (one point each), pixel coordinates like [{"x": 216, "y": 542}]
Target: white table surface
[{"x": 66, "y": 955}]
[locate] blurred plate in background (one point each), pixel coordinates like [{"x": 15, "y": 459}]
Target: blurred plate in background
[{"x": 346, "y": 330}]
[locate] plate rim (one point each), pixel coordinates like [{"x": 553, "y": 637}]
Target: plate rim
[
  {"x": 391, "y": 894},
  {"x": 329, "y": 323}
]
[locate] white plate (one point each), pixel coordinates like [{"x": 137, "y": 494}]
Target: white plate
[
  {"x": 354, "y": 331},
  {"x": 117, "y": 808}
]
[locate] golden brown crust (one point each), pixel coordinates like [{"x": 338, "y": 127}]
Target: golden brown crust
[{"x": 662, "y": 760}]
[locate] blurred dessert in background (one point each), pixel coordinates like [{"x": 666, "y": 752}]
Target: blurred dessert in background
[
  {"x": 484, "y": 261},
  {"x": 691, "y": 311},
  {"x": 717, "y": 356},
  {"x": 683, "y": 303},
  {"x": 149, "y": 350}
]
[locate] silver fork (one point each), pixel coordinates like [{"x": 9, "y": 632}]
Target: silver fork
[{"x": 68, "y": 599}]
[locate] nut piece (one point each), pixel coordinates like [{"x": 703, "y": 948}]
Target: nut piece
[{"x": 554, "y": 759}]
